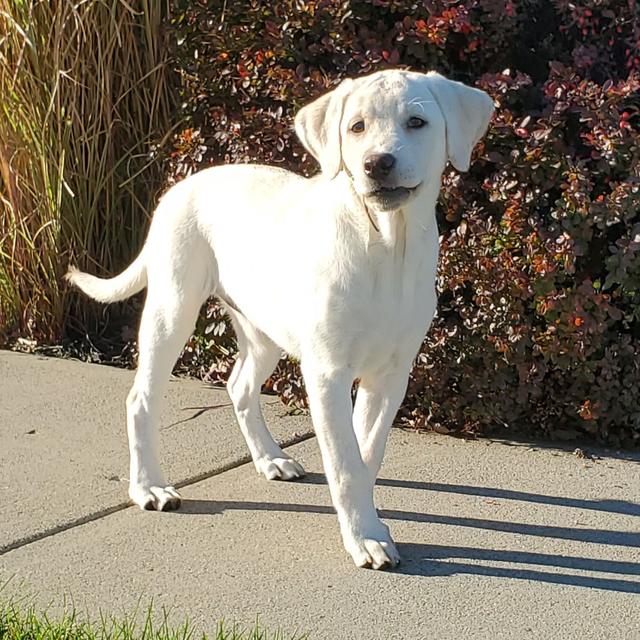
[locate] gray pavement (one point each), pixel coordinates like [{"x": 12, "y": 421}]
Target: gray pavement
[
  {"x": 63, "y": 440},
  {"x": 499, "y": 540}
]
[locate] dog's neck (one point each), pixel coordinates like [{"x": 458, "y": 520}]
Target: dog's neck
[{"x": 390, "y": 228}]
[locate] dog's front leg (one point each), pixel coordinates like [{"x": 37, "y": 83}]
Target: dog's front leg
[{"x": 366, "y": 538}]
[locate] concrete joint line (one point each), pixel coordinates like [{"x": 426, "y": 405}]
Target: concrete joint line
[{"x": 103, "y": 513}]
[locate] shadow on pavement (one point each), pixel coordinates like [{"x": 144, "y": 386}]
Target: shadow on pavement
[
  {"x": 437, "y": 560},
  {"x": 596, "y": 536},
  {"x": 623, "y": 507},
  {"x": 628, "y": 455}
]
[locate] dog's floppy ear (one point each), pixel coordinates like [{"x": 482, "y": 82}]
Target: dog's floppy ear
[
  {"x": 467, "y": 112},
  {"x": 318, "y": 127}
]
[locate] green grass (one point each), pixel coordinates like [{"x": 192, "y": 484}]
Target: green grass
[{"x": 20, "y": 622}]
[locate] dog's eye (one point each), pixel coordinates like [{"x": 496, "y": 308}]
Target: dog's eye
[
  {"x": 358, "y": 127},
  {"x": 416, "y": 123}
]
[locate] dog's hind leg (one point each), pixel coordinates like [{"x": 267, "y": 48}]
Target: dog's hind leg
[
  {"x": 257, "y": 358},
  {"x": 376, "y": 406},
  {"x": 167, "y": 321}
]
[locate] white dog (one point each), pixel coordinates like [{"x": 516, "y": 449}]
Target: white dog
[{"x": 356, "y": 248}]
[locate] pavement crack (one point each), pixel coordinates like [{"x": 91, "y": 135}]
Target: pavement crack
[
  {"x": 65, "y": 526},
  {"x": 107, "y": 511}
]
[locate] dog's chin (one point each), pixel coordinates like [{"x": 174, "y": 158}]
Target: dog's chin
[{"x": 390, "y": 198}]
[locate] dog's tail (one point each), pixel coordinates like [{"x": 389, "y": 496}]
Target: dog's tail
[{"x": 130, "y": 281}]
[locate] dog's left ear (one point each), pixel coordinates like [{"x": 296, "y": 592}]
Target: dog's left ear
[
  {"x": 467, "y": 113},
  {"x": 318, "y": 127}
]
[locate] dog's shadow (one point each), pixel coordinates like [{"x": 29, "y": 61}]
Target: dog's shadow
[{"x": 443, "y": 560}]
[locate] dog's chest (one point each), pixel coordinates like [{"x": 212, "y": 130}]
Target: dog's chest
[{"x": 381, "y": 311}]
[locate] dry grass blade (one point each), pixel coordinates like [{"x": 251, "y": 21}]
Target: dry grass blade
[{"x": 84, "y": 97}]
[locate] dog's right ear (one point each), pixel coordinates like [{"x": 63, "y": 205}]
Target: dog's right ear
[{"x": 318, "y": 127}]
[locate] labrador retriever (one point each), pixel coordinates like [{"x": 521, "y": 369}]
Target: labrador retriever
[{"x": 358, "y": 245}]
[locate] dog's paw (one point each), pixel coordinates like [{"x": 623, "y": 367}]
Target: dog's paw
[
  {"x": 372, "y": 551},
  {"x": 155, "y": 498},
  {"x": 274, "y": 468}
]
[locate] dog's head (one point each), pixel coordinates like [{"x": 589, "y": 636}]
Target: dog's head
[{"x": 392, "y": 132}]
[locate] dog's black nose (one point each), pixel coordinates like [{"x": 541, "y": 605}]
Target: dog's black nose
[{"x": 378, "y": 165}]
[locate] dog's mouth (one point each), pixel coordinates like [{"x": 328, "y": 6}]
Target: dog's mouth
[
  {"x": 393, "y": 191},
  {"x": 389, "y": 197}
]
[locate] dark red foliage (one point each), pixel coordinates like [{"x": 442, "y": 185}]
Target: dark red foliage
[{"x": 539, "y": 321}]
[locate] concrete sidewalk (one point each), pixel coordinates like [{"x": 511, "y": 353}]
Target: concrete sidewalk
[{"x": 498, "y": 540}]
